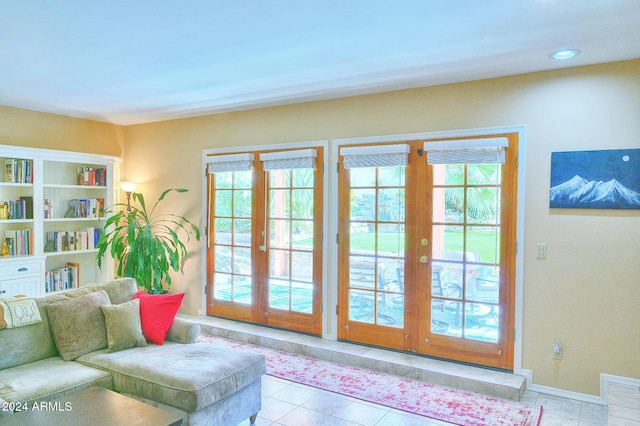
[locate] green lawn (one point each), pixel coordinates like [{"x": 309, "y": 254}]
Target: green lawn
[{"x": 481, "y": 242}]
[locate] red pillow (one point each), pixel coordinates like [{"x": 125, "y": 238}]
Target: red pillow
[{"x": 157, "y": 312}]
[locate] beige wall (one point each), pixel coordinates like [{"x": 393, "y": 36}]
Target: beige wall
[
  {"x": 41, "y": 130},
  {"x": 586, "y": 292}
]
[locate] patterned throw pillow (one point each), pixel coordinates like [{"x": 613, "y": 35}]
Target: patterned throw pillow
[
  {"x": 78, "y": 325},
  {"x": 123, "y": 326},
  {"x": 18, "y": 311}
]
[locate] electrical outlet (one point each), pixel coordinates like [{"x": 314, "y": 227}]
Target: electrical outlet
[{"x": 557, "y": 349}]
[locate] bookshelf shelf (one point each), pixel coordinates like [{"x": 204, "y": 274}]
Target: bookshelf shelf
[
  {"x": 54, "y": 187},
  {"x": 16, "y": 185},
  {"x": 67, "y": 252},
  {"x": 74, "y": 219}
]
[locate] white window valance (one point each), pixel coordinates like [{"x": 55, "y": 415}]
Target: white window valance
[
  {"x": 375, "y": 156},
  {"x": 285, "y": 160},
  {"x": 230, "y": 163},
  {"x": 467, "y": 151}
]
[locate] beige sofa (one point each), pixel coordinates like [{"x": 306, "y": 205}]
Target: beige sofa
[{"x": 202, "y": 383}]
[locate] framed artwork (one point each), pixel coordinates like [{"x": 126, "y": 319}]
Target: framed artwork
[{"x": 603, "y": 179}]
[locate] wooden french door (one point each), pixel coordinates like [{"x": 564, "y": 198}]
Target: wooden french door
[
  {"x": 427, "y": 253},
  {"x": 264, "y": 259}
]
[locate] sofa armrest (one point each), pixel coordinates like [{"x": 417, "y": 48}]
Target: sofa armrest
[{"x": 183, "y": 331}]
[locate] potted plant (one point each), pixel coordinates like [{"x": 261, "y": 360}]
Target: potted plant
[{"x": 146, "y": 246}]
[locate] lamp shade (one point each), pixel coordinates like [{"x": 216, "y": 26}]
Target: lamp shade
[{"x": 127, "y": 186}]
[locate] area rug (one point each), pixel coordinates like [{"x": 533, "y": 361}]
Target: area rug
[{"x": 435, "y": 402}]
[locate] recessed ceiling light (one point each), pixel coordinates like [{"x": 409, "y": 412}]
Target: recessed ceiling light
[{"x": 564, "y": 54}]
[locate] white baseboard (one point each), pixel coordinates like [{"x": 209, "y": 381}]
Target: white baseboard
[
  {"x": 583, "y": 397},
  {"x": 606, "y": 379}
]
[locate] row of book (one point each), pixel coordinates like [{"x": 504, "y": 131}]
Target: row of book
[
  {"x": 92, "y": 207},
  {"x": 78, "y": 208},
  {"x": 85, "y": 239},
  {"x": 62, "y": 278},
  {"x": 18, "y": 209},
  {"x": 18, "y": 171},
  {"x": 92, "y": 176},
  {"x": 17, "y": 242}
]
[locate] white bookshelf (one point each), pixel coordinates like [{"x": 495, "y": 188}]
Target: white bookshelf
[{"x": 62, "y": 235}]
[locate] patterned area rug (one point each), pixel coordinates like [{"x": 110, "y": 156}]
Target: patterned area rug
[{"x": 436, "y": 402}]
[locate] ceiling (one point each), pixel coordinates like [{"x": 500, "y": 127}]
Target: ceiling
[{"x": 129, "y": 62}]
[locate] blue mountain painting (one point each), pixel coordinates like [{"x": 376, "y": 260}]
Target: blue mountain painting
[{"x": 606, "y": 179}]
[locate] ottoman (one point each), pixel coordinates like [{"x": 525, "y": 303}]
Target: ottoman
[{"x": 203, "y": 383}]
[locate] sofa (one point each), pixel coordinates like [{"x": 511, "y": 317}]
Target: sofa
[{"x": 90, "y": 336}]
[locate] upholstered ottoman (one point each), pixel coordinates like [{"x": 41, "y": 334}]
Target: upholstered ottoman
[{"x": 203, "y": 383}]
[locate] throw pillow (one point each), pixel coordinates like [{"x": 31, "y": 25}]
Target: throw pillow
[
  {"x": 18, "y": 311},
  {"x": 78, "y": 325},
  {"x": 123, "y": 326},
  {"x": 157, "y": 312}
]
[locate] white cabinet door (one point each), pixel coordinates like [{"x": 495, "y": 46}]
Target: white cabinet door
[
  {"x": 28, "y": 286},
  {"x": 21, "y": 276}
]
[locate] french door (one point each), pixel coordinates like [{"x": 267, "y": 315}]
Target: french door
[
  {"x": 427, "y": 247},
  {"x": 264, "y": 255}
]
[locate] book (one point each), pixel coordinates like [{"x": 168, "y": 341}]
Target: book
[
  {"x": 74, "y": 274},
  {"x": 9, "y": 170},
  {"x": 48, "y": 208},
  {"x": 28, "y": 207}
]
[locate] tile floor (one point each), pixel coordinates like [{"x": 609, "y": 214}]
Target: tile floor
[
  {"x": 290, "y": 404},
  {"x": 286, "y": 403}
]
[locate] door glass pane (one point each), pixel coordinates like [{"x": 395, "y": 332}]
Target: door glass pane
[
  {"x": 279, "y": 206},
  {"x": 484, "y": 243},
  {"x": 363, "y": 177},
  {"x": 302, "y": 203},
  {"x": 481, "y": 322},
  {"x": 223, "y": 203},
  {"x": 483, "y": 174},
  {"x": 483, "y": 205},
  {"x": 223, "y": 258},
  {"x": 242, "y": 203},
  {"x": 482, "y": 283},
  {"x": 279, "y": 235},
  {"x": 242, "y": 289},
  {"x": 222, "y": 286},
  {"x": 391, "y": 176},
  {"x": 301, "y": 297},
  {"x": 302, "y": 178},
  {"x": 279, "y": 294},
  {"x": 363, "y": 202},
  {"x": 302, "y": 266},
  {"x": 242, "y": 261},
  {"x": 242, "y": 232},
  {"x": 446, "y": 317},
  {"x": 222, "y": 227},
  {"x": 302, "y": 231}
]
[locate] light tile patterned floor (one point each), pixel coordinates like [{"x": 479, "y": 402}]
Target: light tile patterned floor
[
  {"x": 290, "y": 404},
  {"x": 286, "y": 403}
]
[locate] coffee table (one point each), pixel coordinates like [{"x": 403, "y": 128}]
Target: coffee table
[{"x": 95, "y": 406}]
